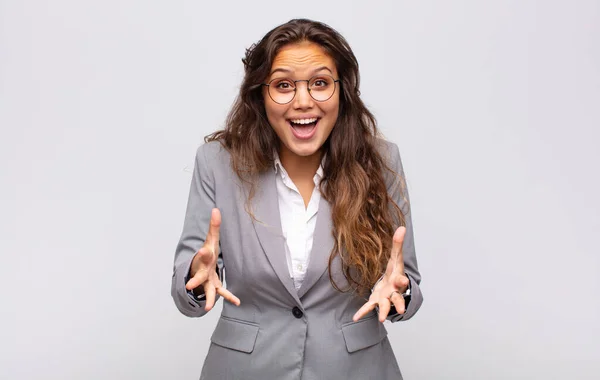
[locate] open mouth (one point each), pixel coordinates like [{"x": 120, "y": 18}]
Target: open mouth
[{"x": 304, "y": 129}]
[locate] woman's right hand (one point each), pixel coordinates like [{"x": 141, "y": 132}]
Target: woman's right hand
[{"x": 203, "y": 271}]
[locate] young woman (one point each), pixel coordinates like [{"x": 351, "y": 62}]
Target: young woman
[{"x": 303, "y": 208}]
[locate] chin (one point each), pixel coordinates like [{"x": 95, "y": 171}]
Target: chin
[{"x": 304, "y": 149}]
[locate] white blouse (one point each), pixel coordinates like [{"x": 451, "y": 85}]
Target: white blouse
[{"x": 297, "y": 221}]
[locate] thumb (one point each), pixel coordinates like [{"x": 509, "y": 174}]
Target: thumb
[
  {"x": 212, "y": 236},
  {"x": 397, "y": 243},
  {"x": 205, "y": 256}
]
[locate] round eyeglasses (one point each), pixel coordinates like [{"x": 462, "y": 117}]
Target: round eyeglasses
[{"x": 283, "y": 90}]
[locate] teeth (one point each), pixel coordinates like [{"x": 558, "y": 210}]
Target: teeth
[{"x": 304, "y": 121}]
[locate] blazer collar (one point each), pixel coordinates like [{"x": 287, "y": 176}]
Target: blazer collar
[{"x": 269, "y": 233}]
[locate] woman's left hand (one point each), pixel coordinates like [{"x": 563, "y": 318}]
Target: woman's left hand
[{"x": 389, "y": 290}]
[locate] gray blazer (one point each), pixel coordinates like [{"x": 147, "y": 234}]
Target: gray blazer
[{"x": 279, "y": 332}]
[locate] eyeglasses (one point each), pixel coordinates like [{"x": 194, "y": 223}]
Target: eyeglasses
[{"x": 283, "y": 90}]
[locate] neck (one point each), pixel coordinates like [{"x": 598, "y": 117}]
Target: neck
[{"x": 300, "y": 167}]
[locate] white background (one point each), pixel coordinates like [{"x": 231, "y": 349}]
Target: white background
[{"x": 495, "y": 107}]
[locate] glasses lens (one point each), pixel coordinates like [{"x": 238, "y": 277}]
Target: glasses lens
[
  {"x": 321, "y": 87},
  {"x": 281, "y": 90}
]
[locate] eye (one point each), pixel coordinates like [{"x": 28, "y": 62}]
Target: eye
[
  {"x": 283, "y": 84},
  {"x": 320, "y": 83}
]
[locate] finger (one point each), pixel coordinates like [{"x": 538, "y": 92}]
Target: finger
[
  {"x": 401, "y": 282},
  {"x": 199, "y": 277},
  {"x": 209, "y": 290},
  {"x": 206, "y": 255},
  {"x": 396, "y": 255},
  {"x": 226, "y": 294},
  {"x": 364, "y": 310},
  {"x": 213, "y": 229},
  {"x": 399, "y": 304},
  {"x": 384, "y": 309}
]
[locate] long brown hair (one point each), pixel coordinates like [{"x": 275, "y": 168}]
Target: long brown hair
[{"x": 363, "y": 214}]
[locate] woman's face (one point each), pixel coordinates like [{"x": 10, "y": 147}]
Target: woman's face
[{"x": 299, "y": 62}]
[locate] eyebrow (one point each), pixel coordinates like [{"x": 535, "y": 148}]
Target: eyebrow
[{"x": 284, "y": 70}]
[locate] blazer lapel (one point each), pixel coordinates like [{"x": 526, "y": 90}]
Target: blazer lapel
[
  {"x": 321, "y": 249},
  {"x": 268, "y": 229}
]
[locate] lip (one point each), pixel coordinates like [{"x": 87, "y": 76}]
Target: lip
[
  {"x": 303, "y": 117},
  {"x": 304, "y": 136}
]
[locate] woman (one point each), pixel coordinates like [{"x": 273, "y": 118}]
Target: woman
[{"x": 305, "y": 209}]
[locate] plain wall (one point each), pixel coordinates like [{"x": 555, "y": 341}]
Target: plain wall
[{"x": 495, "y": 107}]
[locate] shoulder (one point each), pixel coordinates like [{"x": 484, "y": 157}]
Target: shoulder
[
  {"x": 393, "y": 172},
  {"x": 212, "y": 155},
  {"x": 389, "y": 153}
]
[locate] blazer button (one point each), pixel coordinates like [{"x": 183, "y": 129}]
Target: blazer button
[{"x": 297, "y": 312}]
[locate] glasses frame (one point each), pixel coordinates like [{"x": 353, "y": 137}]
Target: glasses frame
[{"x": 307, "y": 88}]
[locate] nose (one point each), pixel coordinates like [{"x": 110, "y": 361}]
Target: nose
[{"x": 302, "y": 100}]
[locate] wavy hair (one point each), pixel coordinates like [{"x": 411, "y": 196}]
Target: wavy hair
[{"x": 363, "y": 213}]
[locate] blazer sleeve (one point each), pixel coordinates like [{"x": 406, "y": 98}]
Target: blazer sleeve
[
  {"x": 398, "y": 191},
  {"x": 201, "y": 201}
]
